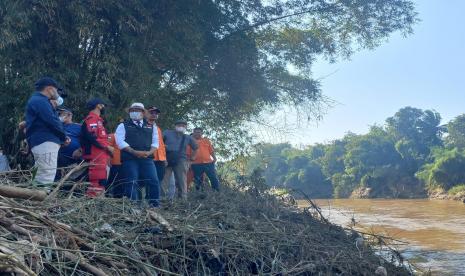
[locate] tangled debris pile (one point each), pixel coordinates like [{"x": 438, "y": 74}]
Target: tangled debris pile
[{"x": 232, "y": 232}]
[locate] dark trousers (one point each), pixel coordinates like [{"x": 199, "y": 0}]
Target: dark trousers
[
  {"x": 140, "y": 172},
  {"x": 115, "y": 181},
  {"x": 160, "y": 166},
  {"x": 64, "y": 162},
  {"x": 209, "y": 170}
]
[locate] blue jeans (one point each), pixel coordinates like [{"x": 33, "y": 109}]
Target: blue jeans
[
  {"x": 142, "y": 172},
  {"x": 209, "y": 170}
]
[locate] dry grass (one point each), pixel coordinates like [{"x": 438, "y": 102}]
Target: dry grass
[{"x": 234, "y": 232}]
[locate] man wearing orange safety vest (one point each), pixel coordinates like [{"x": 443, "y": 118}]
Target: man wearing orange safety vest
[
  {"x": 159, "y": 156},
  {"x": 115, "y": 179},
  {"x": 95, "y": 147},
  {"x": 204, "y": 161}
]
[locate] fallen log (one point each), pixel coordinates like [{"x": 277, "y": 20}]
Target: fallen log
[{"x": 22, "y": 193}]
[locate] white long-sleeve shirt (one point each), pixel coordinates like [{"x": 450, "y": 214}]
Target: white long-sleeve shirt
[{"x": 120, "y": 136}]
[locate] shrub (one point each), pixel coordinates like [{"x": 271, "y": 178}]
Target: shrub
[{"x": 456, "y": 190}]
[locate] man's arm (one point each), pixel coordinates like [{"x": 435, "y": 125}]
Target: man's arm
[
  {"x": 49, "y": 117},
  {"x": 155, "y": 142},
  {"x": 212, "y": 151},
  {"x": 120, "y": 136},
  {"x": 214, "y": 156},
  {"x": 89, "y": 136},
  {"x": 194, "y": 147}
]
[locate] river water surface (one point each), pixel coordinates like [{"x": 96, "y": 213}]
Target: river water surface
[{"x": 434, "y": 229}]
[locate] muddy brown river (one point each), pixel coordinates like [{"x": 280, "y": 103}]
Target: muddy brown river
[{"x": 434, "y": 229}]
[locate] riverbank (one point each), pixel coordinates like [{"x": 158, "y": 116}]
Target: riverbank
[
  {"x": 457, "y": 194},
  {"x": 443, "y": 195},
  {"x": 238, "y": 231}
]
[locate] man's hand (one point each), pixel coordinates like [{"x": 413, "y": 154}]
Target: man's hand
[
  {"x": 194, "y": 155},
  {"x": 110, "y": 150},
  {"x": 148, "y": 153},
  {"x": 140, "y": 154},
  {"x": 67, "y": 141},
  {"x": 136, "y": 153},
  {"x": 214, "y": 157},
  {"x": 77, "y": 154},
  {"x": 22, "y": 125}
]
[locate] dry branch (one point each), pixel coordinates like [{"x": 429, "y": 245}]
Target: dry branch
[
  {"x": 22, "y": 193},
  {"x": 232, "y": 232}
]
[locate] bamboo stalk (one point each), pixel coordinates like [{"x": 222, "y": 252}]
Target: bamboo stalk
[{"x": 22, "y": 193}]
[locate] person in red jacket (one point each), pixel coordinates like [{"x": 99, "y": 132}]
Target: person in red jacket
[{"x": 95, "y": 147}]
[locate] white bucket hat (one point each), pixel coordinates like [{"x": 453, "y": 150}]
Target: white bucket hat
[{"x": 137, "y": 106}]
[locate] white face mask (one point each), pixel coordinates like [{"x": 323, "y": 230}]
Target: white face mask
[
  {"x": 136, "y": 115},
  {"x": 62, "y": 118},
  {"x": 59, "y": 101},
  {"x": 181, "y": 129}
]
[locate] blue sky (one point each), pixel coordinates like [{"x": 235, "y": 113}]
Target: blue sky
[{"x": 424, "y": 70}]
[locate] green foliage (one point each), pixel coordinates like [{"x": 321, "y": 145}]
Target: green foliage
[
  {"x": 446, "y": 170},
  {"x": 456, "y": 132},
  {"x": 457, "y": 190},
  {"x": 343, "y": 184},
  {"x": 217, "y": 63},
  {"x": 384, "y": 162},
  {"x": 416, "y": 131}
]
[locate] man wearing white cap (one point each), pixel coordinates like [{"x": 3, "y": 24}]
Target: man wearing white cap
[{"x": 138, "y": 140}]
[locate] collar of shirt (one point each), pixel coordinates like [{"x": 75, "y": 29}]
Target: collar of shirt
[
  {"x": 38, "y": 93},
  {"x": 138, "y": 123}
]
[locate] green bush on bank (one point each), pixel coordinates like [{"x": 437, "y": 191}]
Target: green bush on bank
[{"x": 457, "y": 190}]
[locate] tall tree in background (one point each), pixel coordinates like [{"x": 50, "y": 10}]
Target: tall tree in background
[
  {"x": 218, "y": 62},
  {"x": 456, "y": 132},
  {"x": 415, "y": 131}
]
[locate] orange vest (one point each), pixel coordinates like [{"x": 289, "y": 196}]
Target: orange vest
[
  {"x": 160, "y": 153},
  {"x": 116, "y": 160},
  {"x": 204, "y": 153}
]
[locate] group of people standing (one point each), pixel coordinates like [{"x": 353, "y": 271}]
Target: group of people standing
[{"x": 138, "y": 154}]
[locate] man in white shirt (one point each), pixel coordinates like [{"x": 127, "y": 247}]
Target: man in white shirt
[{"x": 138, "y": 141}]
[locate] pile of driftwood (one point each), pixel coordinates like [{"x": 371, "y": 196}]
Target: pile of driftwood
[{"x": 236, "y": 231}]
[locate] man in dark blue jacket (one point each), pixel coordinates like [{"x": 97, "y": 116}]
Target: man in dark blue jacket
[
  {"x": 44, "y": 131},
  {"x": 71, "y": 154}
]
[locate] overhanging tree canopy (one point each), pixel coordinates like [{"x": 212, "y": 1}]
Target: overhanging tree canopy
[{"x": 218, "y": 62}]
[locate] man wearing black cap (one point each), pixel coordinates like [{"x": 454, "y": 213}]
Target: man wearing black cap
[
  {"x": 176, "y": 142},
  {"x": 95, "y": 147},
  {"x": 44, "y": 131},
  {"x": 159, "y": 157},
  {"x": 71, "y": 154}
]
